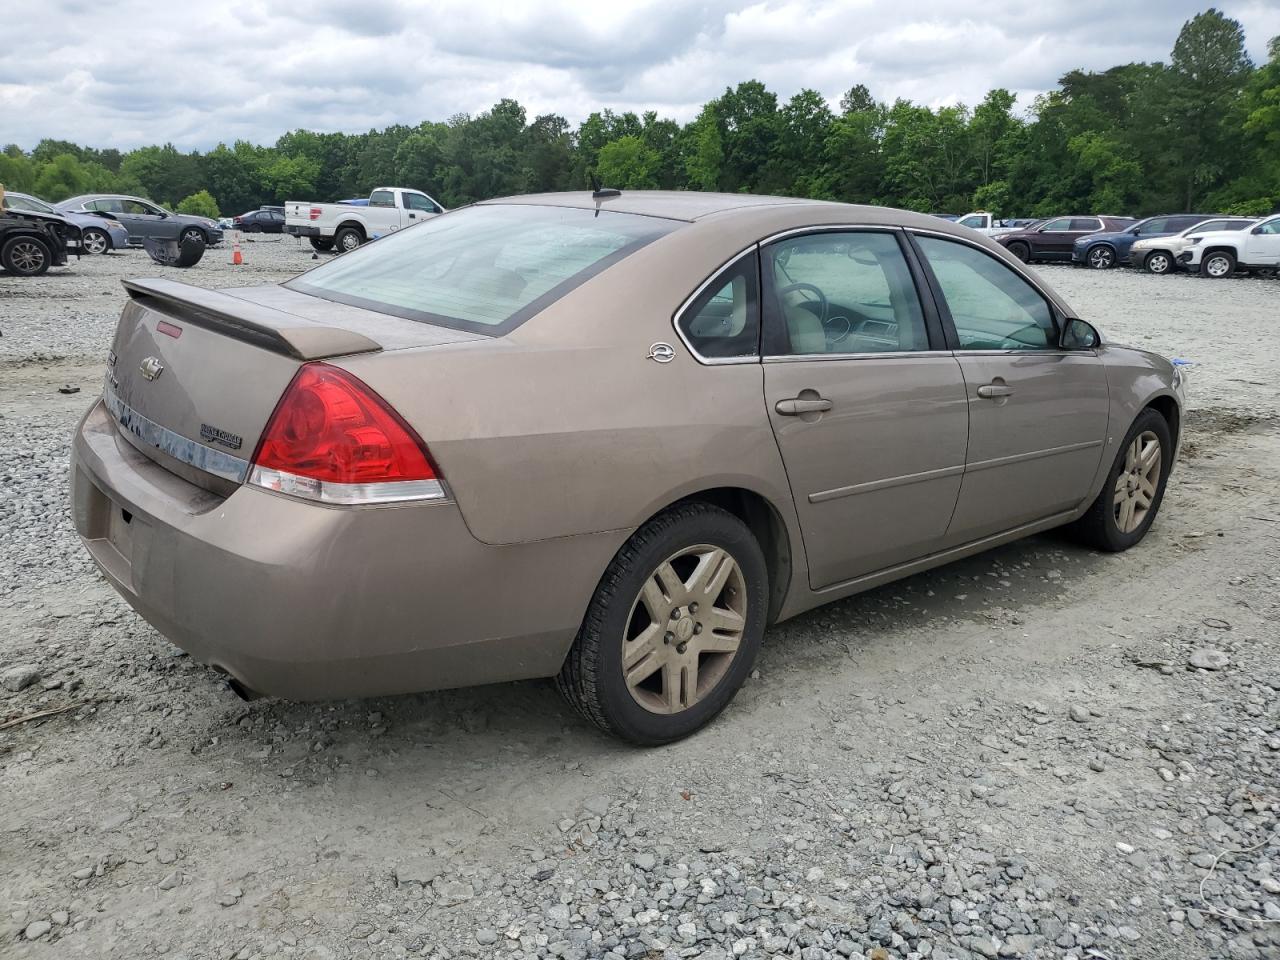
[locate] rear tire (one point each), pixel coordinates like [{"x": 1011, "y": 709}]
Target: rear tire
[
  {"x": 347, "y": 239},
  {"x": 1021, "y": 251},
  {"x": 1218, "y": 264},
  {"x": 1100, "y": 257},
  {"x": 322, "y": 244},
  {"x": 1158, "y": 262},
  {"x": 26, "y": 256},
  {"x": 691, "y": 579},
  {"x": 1131, "y": 496}
]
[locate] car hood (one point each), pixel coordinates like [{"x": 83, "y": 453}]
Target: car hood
[
  {"x": 1115, "y": 236},
  {"x": 34, "y": 217}
]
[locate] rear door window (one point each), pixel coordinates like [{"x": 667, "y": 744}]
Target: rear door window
[
  {"x": 1085, "y": 224},
  {"x": 485, "y": 268},
  {"x": 842, "y": 293}
]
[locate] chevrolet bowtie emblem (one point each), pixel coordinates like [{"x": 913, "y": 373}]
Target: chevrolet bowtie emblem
[{"x": 151, "y": 367}]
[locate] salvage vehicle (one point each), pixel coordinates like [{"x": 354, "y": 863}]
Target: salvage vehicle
[
  {"x": 1102, "y": 251},
  {"x": 604, "y": 437},
  {"x": 1221, "y": 254},
  {"x": 347, "y": 225},
  {"x": 1054, "y": 239},
  {"x": 1160, "y": 254},
  {"x": 31, "y": 242},
  {"x": 145, "y": 220},
  {"x": 99, "y": 233}
]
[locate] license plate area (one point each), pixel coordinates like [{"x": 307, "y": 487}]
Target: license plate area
[{"x": 120, "y": 530}]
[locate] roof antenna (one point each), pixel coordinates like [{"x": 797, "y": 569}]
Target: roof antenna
[{"x": 600, "y": 192}]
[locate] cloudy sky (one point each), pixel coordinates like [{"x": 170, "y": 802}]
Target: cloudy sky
[{"x": 128, "y": 72}]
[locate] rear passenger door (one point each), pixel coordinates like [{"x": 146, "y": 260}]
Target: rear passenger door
[
  {"x": 866, "y": 403},
  {"x": 1037, "y": 412}
]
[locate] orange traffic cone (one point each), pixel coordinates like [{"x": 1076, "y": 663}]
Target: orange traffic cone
[{"x": 237, "y": 257}]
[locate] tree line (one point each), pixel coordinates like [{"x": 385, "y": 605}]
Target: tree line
[{"x": 1199, "y": 133}]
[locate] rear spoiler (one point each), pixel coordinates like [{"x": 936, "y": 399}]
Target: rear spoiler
[{"x": 253, "y": 323}]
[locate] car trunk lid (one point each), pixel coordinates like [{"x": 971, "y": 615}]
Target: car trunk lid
[{"x": 194, "y": 374}]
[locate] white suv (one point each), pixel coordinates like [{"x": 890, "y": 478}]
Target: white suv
[
  {"x": 1220, "y": 254},
  {"x": 1160, "y": 254}
]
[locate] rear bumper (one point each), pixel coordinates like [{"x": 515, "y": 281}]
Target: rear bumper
[
  {"x": 298, "y": 231},
  {"x": 305, "y": 601}
]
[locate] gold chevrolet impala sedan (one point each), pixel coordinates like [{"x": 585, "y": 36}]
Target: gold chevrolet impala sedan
[{"x": 603, "y": 437}]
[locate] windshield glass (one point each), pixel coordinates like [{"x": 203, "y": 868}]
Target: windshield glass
[{"x": 485, "y": 268}]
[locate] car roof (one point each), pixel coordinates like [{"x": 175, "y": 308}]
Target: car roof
[{"x": 692, "y": 206}]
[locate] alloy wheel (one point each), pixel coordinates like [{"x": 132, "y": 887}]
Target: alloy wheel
[
  {"x": 1100, "y": 258},
  {"x": 27, "y": 256},
  {"x": 1139, "y": 478},
  {"x": 95, "y": 242},
  {"x": 193, "y": 235},
  {"x": 684, "y": 629},
  {"x": 1218, "y": 266}
]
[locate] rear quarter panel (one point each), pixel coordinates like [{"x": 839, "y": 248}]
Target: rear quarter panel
[{"x": 565, "y": 427}]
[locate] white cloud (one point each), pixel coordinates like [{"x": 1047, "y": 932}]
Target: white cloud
[{"x": 130, "y": 72}]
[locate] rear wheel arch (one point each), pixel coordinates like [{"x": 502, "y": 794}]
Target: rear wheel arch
[
  {"x": 766, "y": 524},
  {"x": 355, "y": 225}
]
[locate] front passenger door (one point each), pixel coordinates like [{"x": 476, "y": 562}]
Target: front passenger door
[
  {"x": 1037, "y": 412},
  {"x": 866, "y": 403},
  {"x": 1262, "y": 248}
]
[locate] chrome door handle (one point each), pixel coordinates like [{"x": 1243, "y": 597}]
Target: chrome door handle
[
  {"x": 993, "y": 391},
  {"x": 796, "y": 406}
]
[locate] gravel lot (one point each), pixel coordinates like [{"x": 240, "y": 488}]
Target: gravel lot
[{"x": 1037, "y": 753}]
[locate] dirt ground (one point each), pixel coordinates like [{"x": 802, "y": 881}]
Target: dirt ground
[{"x": 1008, "y": 756}]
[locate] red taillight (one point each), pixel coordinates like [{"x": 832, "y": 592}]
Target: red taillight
[
  {"x": 333, "y": 439},
  {"x": 315, "y": 213}
]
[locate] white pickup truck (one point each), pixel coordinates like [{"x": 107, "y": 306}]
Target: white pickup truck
[
  {"x": 347, "y": 226},
  {"x": 985, "y": 223}
]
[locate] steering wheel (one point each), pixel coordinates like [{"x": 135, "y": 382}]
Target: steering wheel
[
  {"x": 837, "y": 329},
  {"x": 809, "y": 288}
]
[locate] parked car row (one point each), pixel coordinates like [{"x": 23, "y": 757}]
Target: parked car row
[
  {"x": 1213, "y": 245},
  {"x": 143, "y": 219}
]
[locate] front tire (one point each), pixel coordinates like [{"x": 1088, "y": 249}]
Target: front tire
[
  {"x": 1100, "y": 257},
  {"x": 1021, "y": 251},
  {"x": 673, "y": 629},
  {"x": 95, "y": 241},
  {"x": 1158, "y": 262},
  {"x": 1131, "y": 496},
  {"x": 1218, "y": 265},
  {"x": 26, "y": 256},
  {"x": 194, "y": 233}
]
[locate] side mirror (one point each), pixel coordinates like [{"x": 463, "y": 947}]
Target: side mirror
[{"x": 1080, "y": 335}]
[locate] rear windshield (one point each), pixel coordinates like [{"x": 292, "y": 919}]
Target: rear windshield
[{"x": 485, "y": 269}]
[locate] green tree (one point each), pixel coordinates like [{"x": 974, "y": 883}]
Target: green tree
[
  {"x": 628, "y": 163},
  {"x": 1208, "y": 71},
  {"x": 200, "y": 204}
]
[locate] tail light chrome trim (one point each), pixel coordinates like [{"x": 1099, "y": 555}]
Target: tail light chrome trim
[
  {"x": 174, "y": 444},
  {"x": 349, "y": 494}
]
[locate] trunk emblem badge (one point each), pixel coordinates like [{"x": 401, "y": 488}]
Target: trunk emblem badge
[{"x": 151, "y": 368}]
